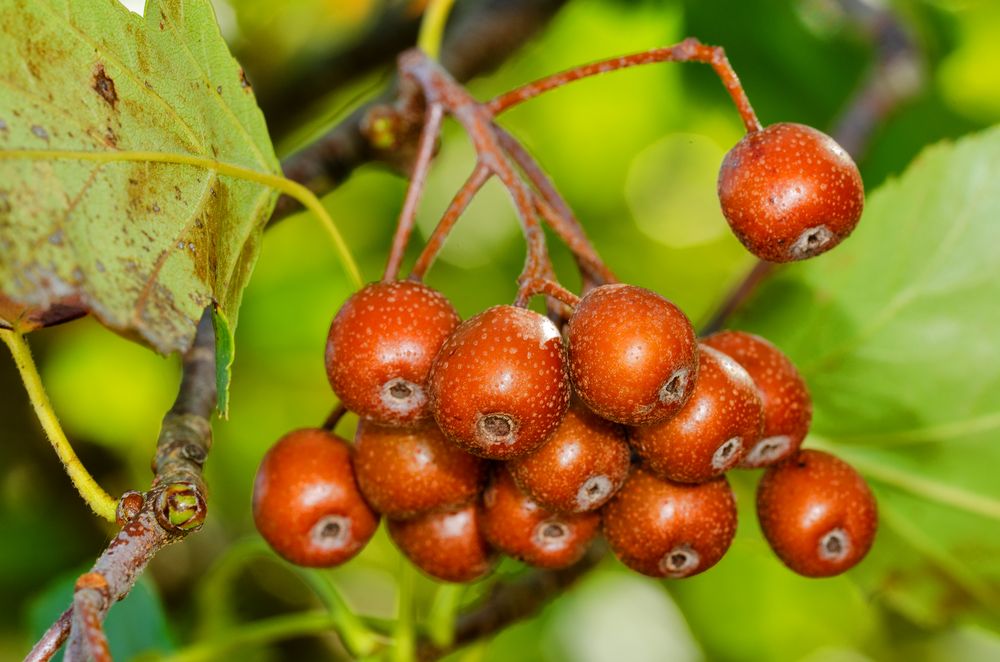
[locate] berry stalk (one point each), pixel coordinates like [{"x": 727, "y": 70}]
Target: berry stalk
[
  {"x": 556, "y": 212},
  {"x": 440, "y": 88},
  {"x": 689, "y": 50},
  {"x": 550, "y": 288},
  {"x": 337, "y": 413},
  {"x": 418, "y": 180},
  {"x": 451, "y": 215}
]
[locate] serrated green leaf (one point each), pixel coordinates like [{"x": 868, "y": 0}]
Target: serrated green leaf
[
  {"x": 144, "y": 245},
  {"x": 896, "y": 334}
]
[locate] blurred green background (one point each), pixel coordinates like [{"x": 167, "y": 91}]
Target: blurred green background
[{"x": 636, "y": 154}]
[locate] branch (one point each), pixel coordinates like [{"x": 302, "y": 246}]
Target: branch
[
  {"x": 174, "y": 507},
  {"x": 285, "y": 98},
  {"x": 896, "y": 76},
  {"x": 509, "y": 602},
  {"x": 52, "y": 640},
  {"x": 480, "y": 36}
]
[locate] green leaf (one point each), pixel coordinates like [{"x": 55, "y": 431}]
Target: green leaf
[
  {"x": 896, "y": 333},
  {"x": 145, "y": 245}
]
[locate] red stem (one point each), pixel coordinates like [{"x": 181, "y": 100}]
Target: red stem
[
  {"x": 421, "y": 165},
  {"x": 439, "y": 88},
  {"x": 336, "y": 414},
  {"x": 451, "y": 215},
  {"x": 552, "y": 289},
  {"x": 689, "y": 50},
  {"x": 556, "y": 212},
  {"x": 88, "y": 641}
]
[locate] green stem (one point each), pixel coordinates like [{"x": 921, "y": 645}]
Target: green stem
[
  {"x": 404, "y": 636},
  {"x": 282, "y": 184},
  {"x": 357, "y": 637},
  {"x": 93, "y": 494},
  {"x": 441, "y": 620},
  {"x": 212, "y": 591},
  {"x": 432, "y": 27},
  {"x": 258, "y": 633}
]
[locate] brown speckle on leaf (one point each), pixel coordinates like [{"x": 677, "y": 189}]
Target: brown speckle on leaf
[
  {"x": 40, "y": 132},
  {"x": 244, "y": 83},
  {"x": 218, "y": 89},
  {"x": 105, "y": 86}
]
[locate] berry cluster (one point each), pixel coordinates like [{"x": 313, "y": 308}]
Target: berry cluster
[
  {"x": 524, "y": 434},
  {"x": 438, "y": 400}
]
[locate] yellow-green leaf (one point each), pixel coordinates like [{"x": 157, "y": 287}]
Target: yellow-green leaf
[{"x": 87, "y": 217}]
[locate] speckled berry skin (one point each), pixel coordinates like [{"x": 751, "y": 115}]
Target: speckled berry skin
[
  {"x": 380, "y": 348},
  {"x": 787, "y": 405},
  {"x": 817, "y": 513},
  {"x": 519, "y": 527},
  {"x": 715, "y": 429},
  {"x": 633, "y": 355},
  {"x": 498, "y": 387},
  {"x": 403, "y": 472},
  {"x": 446, "y": 545},
  {"x": 790, "y": 192},
  {"x": 666, "y": 529},
  {"x": 579, "y": 468},
  {"x": 306, "y": 503}
]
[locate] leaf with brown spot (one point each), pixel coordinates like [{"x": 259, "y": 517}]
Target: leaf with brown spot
[{"x": 143, "y": 246}]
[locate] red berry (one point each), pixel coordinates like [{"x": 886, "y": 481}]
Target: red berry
[
  {"x": 405, "y": 472},
  {"x": 519, "y": 527},
  {"x": 790, "y": 192},
  {"x": 666, "y": 529},
  {"x": 446, "y": 545},
  {"x": 306, "y": 503},
  {"x": 498, "y": 387},
  {"x": 817, "y": 513},
  {"x": 787, "y": 405},
  {"x": 579, "y": 468},
  {"x": 381, "y": 346},
  {"x": 633, "y": 356},
  {"x": 715, "y": 429}
]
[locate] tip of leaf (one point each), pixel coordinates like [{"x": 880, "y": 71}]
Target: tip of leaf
[{"x": 224, "y": 345}]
